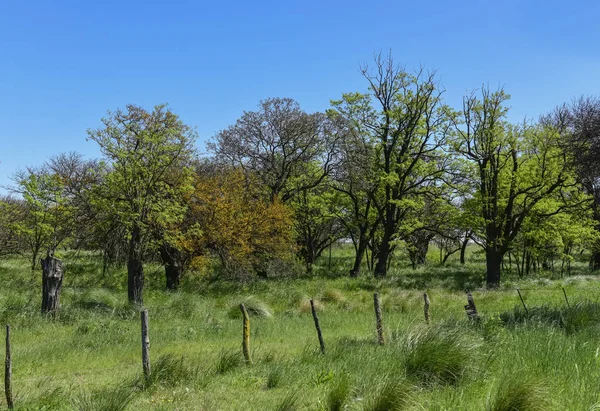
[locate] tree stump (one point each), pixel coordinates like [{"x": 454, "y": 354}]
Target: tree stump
[
  {"x": 470, "y": 308},
  {"x": 52, "y": 277}
]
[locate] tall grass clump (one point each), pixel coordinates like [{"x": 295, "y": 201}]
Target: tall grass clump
[
  {"x": 338, "y": 394},
  {"x": 170, "y": 371},
  {"x": 228, "y": 360},
  {"x": 289, "y": 402},
  {"x": 393, "y": 394},
  {"x": 440, "y": 355},
  {"x": 571, "y": 320},
  {"x": 274, "y": 376},
  {"x": 104, "y": 399},
  {"x": 519, "y": 394},
  {"x": 254, "y": 306},
  {"x": 333, "y": 295}
]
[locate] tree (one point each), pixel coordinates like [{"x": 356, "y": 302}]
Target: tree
[
  {"x": 278, "y": 143},
  {"x": 141, "y": 148},
  {"x": 46, "y": 221},
  {"x": 356, "y": 180},
  {"x": 579, "y": 124},
  {"x": 316, "y": 223},
  {"x": 229, "y": 217},
  {"x": 12, "y": 212},
  {"x": 516, "y": 168},
  {"x": 407, "y": 125}
]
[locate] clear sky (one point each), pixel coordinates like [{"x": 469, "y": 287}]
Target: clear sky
[{"x": 63, "y": 64}]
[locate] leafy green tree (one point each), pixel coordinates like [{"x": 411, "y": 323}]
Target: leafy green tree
[
  {"x": 407, "y": 124},
  {"x": 47, "y": 220},
  {"x": 141, "y": 149},
  {"x": 516, "y": 167},
  {"x": 12, "y": 213}
]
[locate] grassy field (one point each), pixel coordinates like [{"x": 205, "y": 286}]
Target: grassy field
[{"x": 89, "y": 356}]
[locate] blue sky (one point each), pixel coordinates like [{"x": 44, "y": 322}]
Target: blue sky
[{"x": 63, "y": 64}]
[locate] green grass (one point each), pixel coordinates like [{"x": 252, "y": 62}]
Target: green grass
[{"x": 88, "y": 356}]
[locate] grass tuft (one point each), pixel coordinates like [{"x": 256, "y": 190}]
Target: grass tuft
[
  {"x": 440, "y": 355},
  {"x": 228, "y": 360},
  {"x": 338, "y": 394},
  {"x": 104, "y": 399},
  {"x": 392, "y": 395},
  {"x": 289, "y": 402},
  {"x": 519, "y": 394},
  {"x": 254, "y": 306},
  {"x": 333, "y": 295},
  {"x": 170, "y": 371}
]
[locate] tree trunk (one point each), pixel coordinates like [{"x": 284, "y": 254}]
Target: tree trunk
[
  {"x": 135, "y": 268},
  {"x": 595, "y": 262},
  {"x": 171, "y": 259},
  {"x": 383, "y": 254},
  {"x": 493, "y": 259},
  {"x": 52, "y": 277},
  {"x": 358, "y": 258},
  {"x": 463, "y": 249}
]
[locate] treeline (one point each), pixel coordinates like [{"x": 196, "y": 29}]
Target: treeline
[{"x": 392, "y": 170}]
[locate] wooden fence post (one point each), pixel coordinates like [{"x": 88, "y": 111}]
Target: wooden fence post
[
  {"x": 470, "y": 308},
  {"x": 317, "y": 326},
  {"x": 246, "y": 334},
  {"x": 8, "y": 372},
  {"x": 426, "y": 305},
  {"x": 380, "y": 337},
  {"x": 523, "y": 302},
  {"x": 145, "y": 344}
]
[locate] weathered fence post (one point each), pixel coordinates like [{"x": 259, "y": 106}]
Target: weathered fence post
[
  {"x": 317, "y": 326},
  {"x": 426, "y": 305},
  {"x": 470, "y": 308},
  {"x": 145, "y": 344},
  {"x": 566, "y": 299},
  {"x": 246, "y": 334},
  {"x": 8, "y": 372},
  {"x": 380, "y": 337},
  {"x": 523, "y": 302},
  {"x": 52, "y": 277}
]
